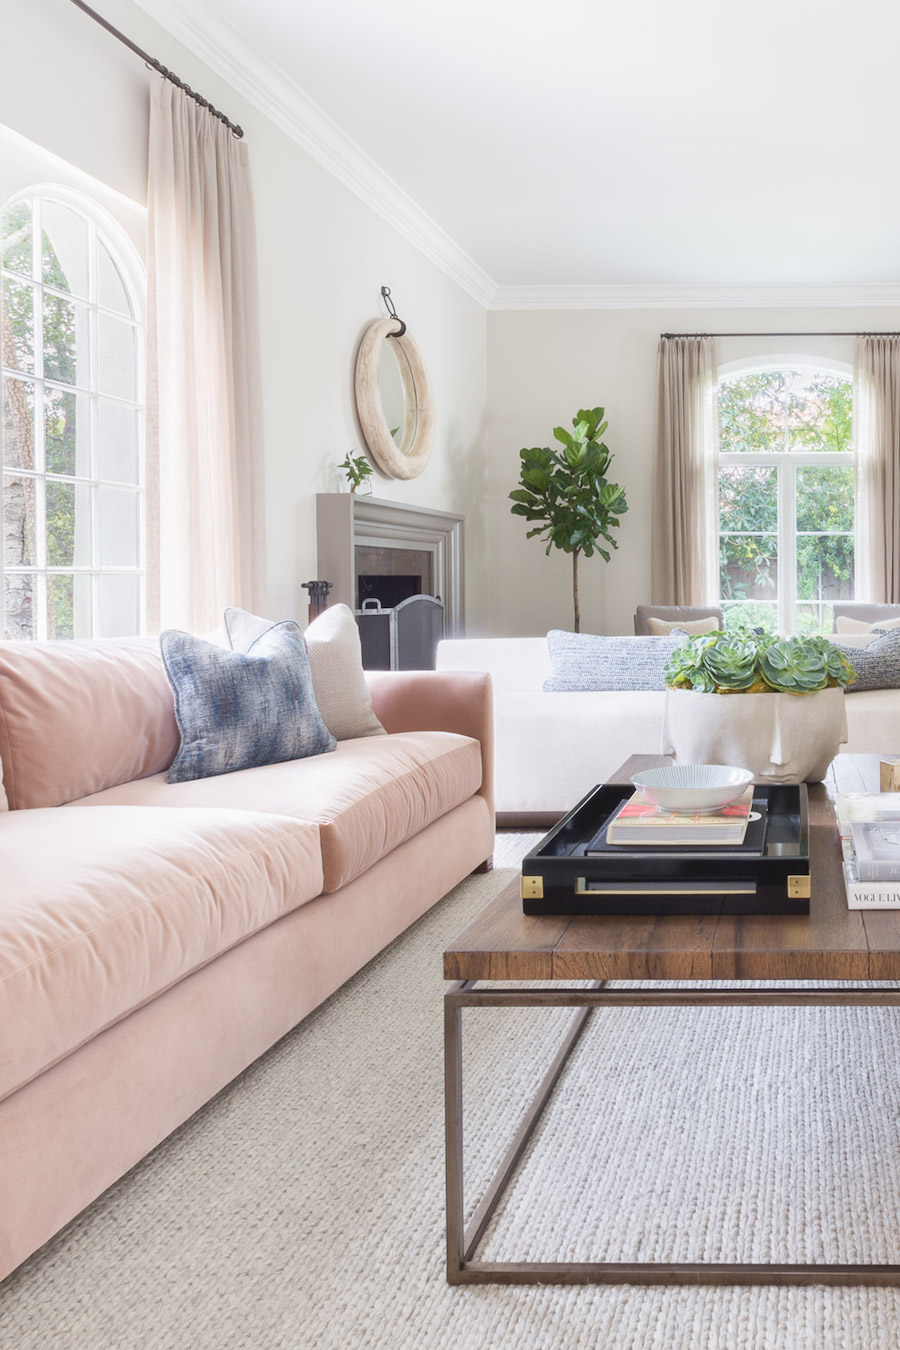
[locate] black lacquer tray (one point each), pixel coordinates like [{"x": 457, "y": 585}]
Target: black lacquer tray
[{"x": 561, "y": 876}]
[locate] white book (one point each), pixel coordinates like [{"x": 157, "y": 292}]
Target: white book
[
  {"x": 869, "y": 894},
  {"x": 876, "y": 844}
]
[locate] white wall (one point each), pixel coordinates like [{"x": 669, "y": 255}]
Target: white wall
[
  {"x": 74, "y": 90},
  {"x": 545, "y": 365}
]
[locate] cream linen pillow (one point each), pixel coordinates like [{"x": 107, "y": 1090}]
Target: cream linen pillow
[
  {"x": 335, "y": 662},
  {"x": 662, "y": 628},
  {"x": 844, "y": 624}
]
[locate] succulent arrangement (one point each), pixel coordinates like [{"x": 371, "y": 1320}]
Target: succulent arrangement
[{"x": 757, "y": 663}]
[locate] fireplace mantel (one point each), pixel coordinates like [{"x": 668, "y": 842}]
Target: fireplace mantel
[{"x": 345, "y": 519}]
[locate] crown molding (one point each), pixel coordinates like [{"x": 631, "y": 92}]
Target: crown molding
[
  {"x": 876, "y": 294},
  {"x": 239, "y": 61}
]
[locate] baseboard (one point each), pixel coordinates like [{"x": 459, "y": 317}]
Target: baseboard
[{"x": 528, "y": 820}]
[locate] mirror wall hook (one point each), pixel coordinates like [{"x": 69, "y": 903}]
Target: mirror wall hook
[{"x": 386, "y": 297}]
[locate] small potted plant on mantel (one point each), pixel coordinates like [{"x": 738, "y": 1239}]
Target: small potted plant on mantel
[
  {"x": 357, "y": 471},
  {"x": 787, "y": 719}
]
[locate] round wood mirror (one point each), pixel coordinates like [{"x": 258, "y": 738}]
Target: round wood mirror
[{"x": 394, "y": 400}]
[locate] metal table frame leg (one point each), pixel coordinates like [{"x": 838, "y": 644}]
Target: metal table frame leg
[{"x": 463, "y": 1267}]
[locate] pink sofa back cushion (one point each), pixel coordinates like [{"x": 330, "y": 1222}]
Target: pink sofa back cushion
[{"x": 77, "y": 717}]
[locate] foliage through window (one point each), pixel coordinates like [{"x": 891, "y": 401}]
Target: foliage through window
[
  {"x": 786, "y": 498},
  {"x": 71, "y": 426}
]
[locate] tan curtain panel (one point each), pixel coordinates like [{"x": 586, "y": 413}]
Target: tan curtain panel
[
  {"x": 685, "y": 505},
  {"x": 876, "y": 417},
  {"x": 204, "y": 413}
]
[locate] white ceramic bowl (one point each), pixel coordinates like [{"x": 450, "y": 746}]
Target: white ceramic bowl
[{"x": 692, "y": 787}]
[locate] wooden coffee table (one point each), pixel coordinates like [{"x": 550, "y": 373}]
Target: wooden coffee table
[{"x": 832, "y": 943}]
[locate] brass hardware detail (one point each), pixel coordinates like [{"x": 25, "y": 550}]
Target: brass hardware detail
[
  {"x": 664, "y": 888},
  {"x": 532, "y": 888},
  {"x": 799, "y": 888}
]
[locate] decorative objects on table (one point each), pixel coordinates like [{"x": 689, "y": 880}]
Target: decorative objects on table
[
  {"x": 568, "y": 495},
  {"x": 789, "y": 721},
  {"x": 868, "y": 886},
  {"x": 641, "y": 825},
  {"x": 357, "y": 471},
  {"x": 393, "y": 397},
  {"x": 692, "y": 787},
  {"x": 890, "y": 775},
  {"x": 575, "y": 869}
]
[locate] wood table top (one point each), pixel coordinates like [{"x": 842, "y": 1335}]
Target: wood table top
[{"x": 832, "y": 942}]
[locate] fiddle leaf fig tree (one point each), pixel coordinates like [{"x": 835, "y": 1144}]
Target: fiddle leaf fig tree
[{"x": 568, "y": 496}]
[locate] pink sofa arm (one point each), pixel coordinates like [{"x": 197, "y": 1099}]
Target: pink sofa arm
[{"x": 439, "y": 700}]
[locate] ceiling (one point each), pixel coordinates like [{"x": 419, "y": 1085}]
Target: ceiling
[{"x": 579, "y": 143}]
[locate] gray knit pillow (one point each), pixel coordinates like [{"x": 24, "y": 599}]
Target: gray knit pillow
[
  {"x": 877, "y": 665},
  {"x": 585, "y": 661}
]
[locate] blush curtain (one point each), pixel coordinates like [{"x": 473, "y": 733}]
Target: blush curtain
[
  {"x": 684, "y": 549},
  {"x": 204, "y": 413},
  {"x": 876, "y": 417}
]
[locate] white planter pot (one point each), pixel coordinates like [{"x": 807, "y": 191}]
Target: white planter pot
[{"x": 781, "y": 738}]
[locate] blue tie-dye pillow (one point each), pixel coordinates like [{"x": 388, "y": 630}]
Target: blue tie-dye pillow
[{"x": 238, "y": 710}]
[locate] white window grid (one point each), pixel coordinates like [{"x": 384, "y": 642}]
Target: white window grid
[
  {"x": 786, "y": 463},
  {"x": 90, "y": 392}
]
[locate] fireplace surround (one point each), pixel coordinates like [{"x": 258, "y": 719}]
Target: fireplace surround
[{"x": 367, "y": 537}]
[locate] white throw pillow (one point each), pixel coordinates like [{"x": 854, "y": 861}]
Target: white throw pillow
[
  {"x": 335, "y": 661},
  {"x": 662, "y": 628},
  {"x": 844, "y": 624}
]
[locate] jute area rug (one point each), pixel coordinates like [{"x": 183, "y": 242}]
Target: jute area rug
[{"x": 303, "y": 1208}]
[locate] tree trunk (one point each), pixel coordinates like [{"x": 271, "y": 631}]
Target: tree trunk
[{"x": 575, "y": 553}]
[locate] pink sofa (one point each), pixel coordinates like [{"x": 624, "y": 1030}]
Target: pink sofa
[{"x": 155, "y": 938}]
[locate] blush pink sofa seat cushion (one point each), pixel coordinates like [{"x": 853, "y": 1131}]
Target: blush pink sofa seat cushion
[
  {"x": 76, "y": 717},
  {"x": 367, "y": 796},
  {"x": 101, "y": 910}
]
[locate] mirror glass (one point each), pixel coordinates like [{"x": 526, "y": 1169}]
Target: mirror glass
[{"x": 391, "y": 391}]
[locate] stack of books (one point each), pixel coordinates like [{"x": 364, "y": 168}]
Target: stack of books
[
  {"x": 638, "y": 823},
  {"x": 869, "y": 824}
]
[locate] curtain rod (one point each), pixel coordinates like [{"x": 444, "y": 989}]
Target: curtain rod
[
  {"x": 774, "y": 335},
  {"x": 151, "y": 61}
]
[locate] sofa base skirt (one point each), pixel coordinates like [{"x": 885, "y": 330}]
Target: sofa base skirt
[{"x": 69, "y": 1134}]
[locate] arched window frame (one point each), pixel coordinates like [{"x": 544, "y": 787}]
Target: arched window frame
[
  {"x": 788, "y": 462},
  {"x": 95, "y": 617}
]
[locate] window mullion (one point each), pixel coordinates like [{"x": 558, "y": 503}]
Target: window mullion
[{"x": 787, "y": 548}]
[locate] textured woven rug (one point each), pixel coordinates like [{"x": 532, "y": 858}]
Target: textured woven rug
[{"x": 303, "y": 1208}]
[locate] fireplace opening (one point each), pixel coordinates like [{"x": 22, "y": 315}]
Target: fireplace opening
[{"x": 388, "y": 590}]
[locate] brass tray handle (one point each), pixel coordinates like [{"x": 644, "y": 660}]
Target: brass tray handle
[{"x": 664, "y": 888}]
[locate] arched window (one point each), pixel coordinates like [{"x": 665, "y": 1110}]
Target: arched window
[
  {"x": 786, "y": 492},
  {"x": 72, "y": 425}
]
